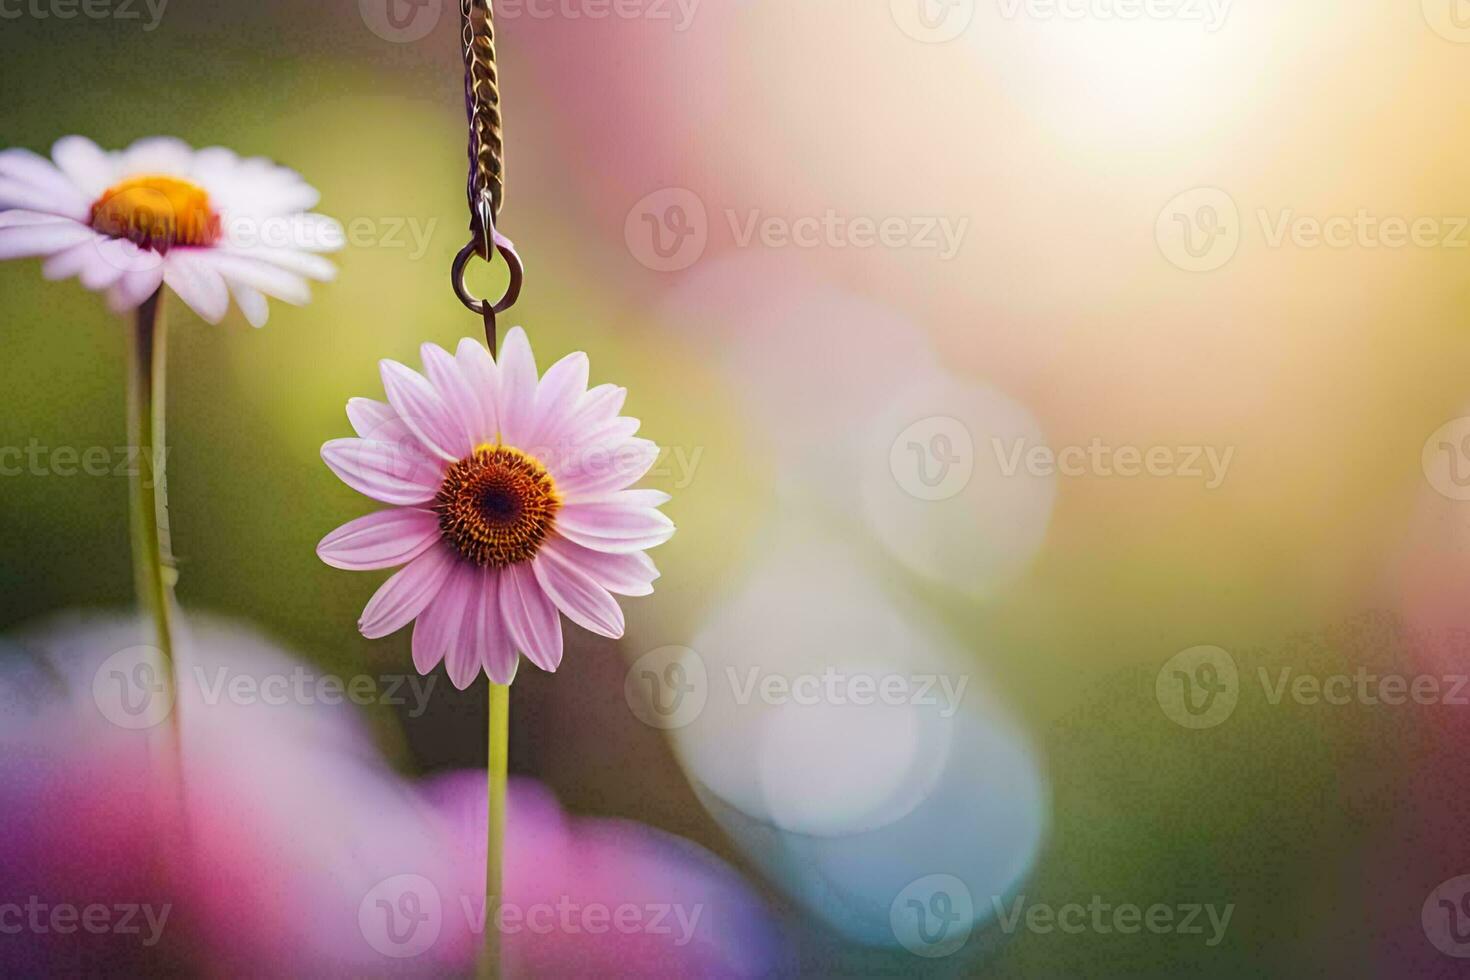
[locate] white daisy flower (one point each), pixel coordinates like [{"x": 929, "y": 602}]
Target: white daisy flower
[{"x": 207, "y": 223}]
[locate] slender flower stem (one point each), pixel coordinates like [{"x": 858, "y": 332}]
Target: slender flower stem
[
  {"x": 499, "y": 744},
  {"x": 153, "y": 569}
]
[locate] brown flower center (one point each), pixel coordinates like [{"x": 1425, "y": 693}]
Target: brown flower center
[
  {"x": 497, "y": 506},
  {"x": 157, "y": 213}
]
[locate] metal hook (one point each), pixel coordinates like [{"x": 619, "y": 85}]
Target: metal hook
[{"x": 485, "y": 308}]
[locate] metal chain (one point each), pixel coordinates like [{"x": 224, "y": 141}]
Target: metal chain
[
  {"x": 482, "y": 108},
  {"x": 485, "y": 187}
]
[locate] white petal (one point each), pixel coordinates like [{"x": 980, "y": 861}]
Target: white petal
[
  {"x": 90, "y": 169},
  {"x": 25, "y": 167},
  {"x": 157, "y": 155},
  {"x": 28, "y": 241},
  {"x": 252, "y": 303},
  {"x": 198, "y": 284}
]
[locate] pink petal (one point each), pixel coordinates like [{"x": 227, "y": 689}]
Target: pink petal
[
  {"x": 483, "y": 639},
  {"x": 480, "y": 371},
  {"x": 406, "y": 594},
  {"x": 376, "y": 420},
  {"x": 516, "y": 398},
  {"x": 577, "y": 595},
  {"x": 438, "y": 630},
  {"x": 632, "y": 574},
  {"x": 598, "y": 471},
  {"x": 614, "y": 526},
  {"x": 28, "y": 241},
  {"x": 557, "y": 395},
  {"x": 530, "y": 617},
  {"x": 447, "y": 379},
  {"x": 383, "y": 540},
  {"x": 423, "y": 411},
  {"x": 382, "y": 470},
  {"x": 199, "y": 285}
]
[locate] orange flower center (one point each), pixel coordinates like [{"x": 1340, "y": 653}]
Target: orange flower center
[
  {"x": 156, "y": 212},
  {"x": 497, "y": 506}
]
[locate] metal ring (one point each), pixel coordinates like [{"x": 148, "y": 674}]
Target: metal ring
[{"x": 512, "y": 291}]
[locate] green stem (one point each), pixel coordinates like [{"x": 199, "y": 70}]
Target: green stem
[
  {"x": 499, "y": 745},
  {"x": 153, "y": 569}
]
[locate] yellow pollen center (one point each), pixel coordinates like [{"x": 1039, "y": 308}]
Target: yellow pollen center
[
  {"x": 497, "y": 506},
  {"x": 157, "y": 213}
]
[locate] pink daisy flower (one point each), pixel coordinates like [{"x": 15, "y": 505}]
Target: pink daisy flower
[
  {"x": 206, "y": 222},
  {"x": 510, "y": 504}
]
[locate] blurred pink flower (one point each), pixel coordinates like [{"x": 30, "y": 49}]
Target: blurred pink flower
[
  {"x": 297, "y": 834},
  {"x": 510, "y": 505},
  {"x": 600, "y": 897}
]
